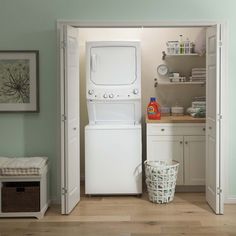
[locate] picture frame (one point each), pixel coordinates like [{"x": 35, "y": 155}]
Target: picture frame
[{"x": 19, "y": 81}]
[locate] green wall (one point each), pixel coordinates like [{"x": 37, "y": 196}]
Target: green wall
[{"x": 31, "y": 24}]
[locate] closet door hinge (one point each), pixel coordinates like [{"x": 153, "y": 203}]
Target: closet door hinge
[
  {"x": 63, "y": 44},
  {"x": 63, "y": 117},
  {"x": 219, "y": 191},
  {"x": 64, "y": 191},
  {"x": 219, "y": 116},
  {"x": 220, "y": 44}
]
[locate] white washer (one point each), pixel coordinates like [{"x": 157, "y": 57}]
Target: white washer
[
  {"x": 113, "y": 150},
  {"x": 112, "y": 164}
]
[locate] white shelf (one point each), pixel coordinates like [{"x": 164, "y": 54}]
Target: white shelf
[
  {"x": 181, "y": 83},
  {"x": 190, "y": 54},
  {"x": 164, "y": 55}
]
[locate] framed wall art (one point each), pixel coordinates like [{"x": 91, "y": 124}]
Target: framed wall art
[{"x": 19, "y": 81}]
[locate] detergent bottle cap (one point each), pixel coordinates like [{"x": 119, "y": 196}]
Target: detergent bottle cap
[{"x": 152, "y": 99}]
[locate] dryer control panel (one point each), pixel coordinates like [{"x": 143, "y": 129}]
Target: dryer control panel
[{"x": 113, "y": 94}]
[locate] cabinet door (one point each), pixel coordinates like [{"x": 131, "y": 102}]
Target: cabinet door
[
  {"x": 166, "y": 148},
  {"x": 194, "y": 160}
]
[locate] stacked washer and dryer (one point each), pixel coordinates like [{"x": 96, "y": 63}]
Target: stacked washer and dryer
[{"x": 113, "y": 148}]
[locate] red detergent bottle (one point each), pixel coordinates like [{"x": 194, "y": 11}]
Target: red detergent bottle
[{"x": 153, "y": 111}]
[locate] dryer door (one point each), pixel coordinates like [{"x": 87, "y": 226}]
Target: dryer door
[{"x": 113, "y": 65}]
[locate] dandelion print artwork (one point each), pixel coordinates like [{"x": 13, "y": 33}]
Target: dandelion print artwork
[
  {"x": 19, "y": 72},
  {"x": 14, "y": 81}
]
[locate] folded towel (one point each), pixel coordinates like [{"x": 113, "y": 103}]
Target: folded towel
[
  {"x": 202, "y": 98},
  {"x": 197, "y": 112},
  {"x": 198, "y": 74},
  {"x": 22, "y": 165},
  {"x": 199, "y": 69},
  {"x": 200, "y": 79}
]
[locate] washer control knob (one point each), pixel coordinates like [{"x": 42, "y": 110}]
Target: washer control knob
[
  {"x": 135, "y": 91},
  {"x": 90, "y": 92},
  {"x": 111, "y": 95},
  {"x": 105, "y": 95}
]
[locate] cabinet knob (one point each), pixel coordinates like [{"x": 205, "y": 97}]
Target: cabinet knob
[
  {"x": 181, "y": 142},
  {"x": 204, "y": 129},
  {"x": 186, "y": 142},
  {"x": 162, "y": 129}
]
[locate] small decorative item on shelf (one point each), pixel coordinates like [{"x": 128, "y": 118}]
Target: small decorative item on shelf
[
  {"x": 173, "y": 47},
  {"x": 181, "y": 44},
  {"x": 162, "y": 70},
  {"x": 175, "y": 77},
  {"x": 179, "y": 47},
  {"x": 188, "y": 46}
]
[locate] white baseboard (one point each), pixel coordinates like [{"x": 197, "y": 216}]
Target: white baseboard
[
  {"x": 231, "y": 199},
  {"x": 55, "y": 201}
]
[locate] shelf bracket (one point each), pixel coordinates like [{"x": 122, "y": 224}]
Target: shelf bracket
[
  {"x": 155, "y": 82},
  {"x": 163, "y": 55}
]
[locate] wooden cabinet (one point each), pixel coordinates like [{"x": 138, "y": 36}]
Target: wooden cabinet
[
  {"x": 184, "y": 143},
  {"x": 166, "y": 148},
  {"x": 194, "y": 160}
]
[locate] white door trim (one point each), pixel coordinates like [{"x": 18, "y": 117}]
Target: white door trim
[
  {"x": 224, "y": 74},
  {"x": 133, "y": 24},
  {"x": 62, "y": 112}
]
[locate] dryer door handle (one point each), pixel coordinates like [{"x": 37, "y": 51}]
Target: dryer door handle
[{"x": 93, "y": 62}]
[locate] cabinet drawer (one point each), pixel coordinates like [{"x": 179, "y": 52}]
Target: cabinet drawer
[{"x": 169, "y": 129}]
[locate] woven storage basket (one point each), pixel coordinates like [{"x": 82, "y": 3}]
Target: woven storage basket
[
  {"x": 21, "y": 197},
  {"x": 161, "y": 180}
]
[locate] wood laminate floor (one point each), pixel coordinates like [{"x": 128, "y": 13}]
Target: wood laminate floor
[{"x": 188, "y": 214}]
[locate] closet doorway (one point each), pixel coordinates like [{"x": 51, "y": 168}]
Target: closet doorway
[{"x": 216, "y": 118}]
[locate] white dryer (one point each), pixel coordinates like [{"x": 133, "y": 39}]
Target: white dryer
[{"x": 113, "y": 149}]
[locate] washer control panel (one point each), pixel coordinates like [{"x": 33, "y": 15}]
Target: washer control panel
[{"x": 113, "y": 94}]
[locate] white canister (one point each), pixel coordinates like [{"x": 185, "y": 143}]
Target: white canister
[
  {"x": 177, "y": 111},
  {"x": 165, "y": 111}
]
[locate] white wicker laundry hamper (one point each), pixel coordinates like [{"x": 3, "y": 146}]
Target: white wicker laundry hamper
[{"x": 161, "y": 180}]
